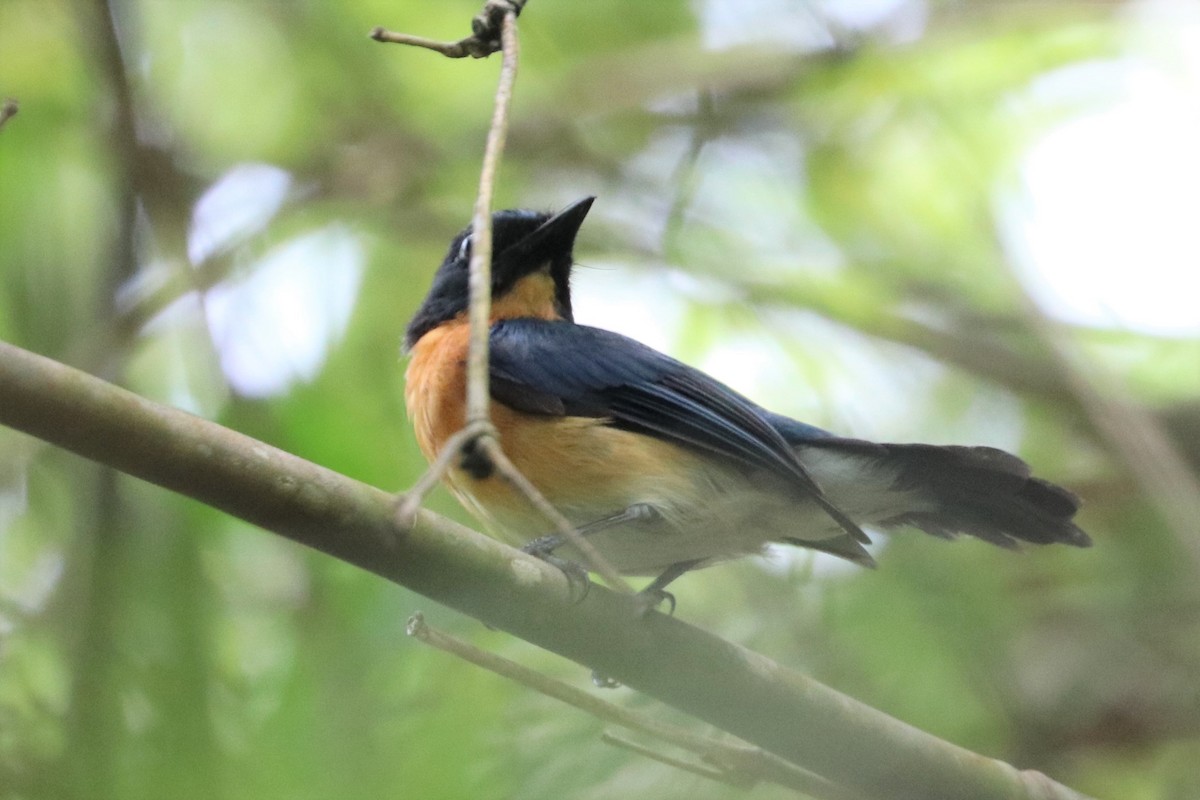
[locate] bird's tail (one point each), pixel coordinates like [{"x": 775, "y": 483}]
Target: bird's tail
[{"x": 944, "y": 491}]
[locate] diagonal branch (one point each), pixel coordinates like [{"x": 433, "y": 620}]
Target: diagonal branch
[
  {"x": 739, "y": 691},
  {"x": 733, "y": 762}
]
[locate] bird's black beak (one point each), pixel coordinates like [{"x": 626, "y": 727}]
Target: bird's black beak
[{"x": 552, "y": 241}]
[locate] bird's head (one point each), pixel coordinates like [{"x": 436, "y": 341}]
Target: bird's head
[{"x": 531, "y": 269}]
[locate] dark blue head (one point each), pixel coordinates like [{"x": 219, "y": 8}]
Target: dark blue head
[{"x": 531, "y": 269}]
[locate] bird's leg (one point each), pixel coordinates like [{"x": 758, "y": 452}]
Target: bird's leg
[
  {"x": 655, "y": 592},
  {"x": 546, "y": 545},
  {"x": 543, "y": 547}
]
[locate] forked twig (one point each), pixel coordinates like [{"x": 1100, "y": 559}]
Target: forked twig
[
  {"x": 721, "y": 776},
  {"x": 496, "y": 23},
  {"x": 486, "y": 33},
  {"x": 731, "y": 762},
  {"x": 410, "y": 501}
]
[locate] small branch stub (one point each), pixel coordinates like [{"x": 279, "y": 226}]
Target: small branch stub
[
  {"x": 8, "y": 110},
  {"x": 486, "y": 37}
]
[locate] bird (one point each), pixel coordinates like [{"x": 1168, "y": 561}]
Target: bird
[{"x": 662, "y": 467}]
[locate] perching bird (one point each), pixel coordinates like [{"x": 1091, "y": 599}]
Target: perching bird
[{"x": 662, "y": 467}]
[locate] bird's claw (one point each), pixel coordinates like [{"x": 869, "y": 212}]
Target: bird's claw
[
  {"x": 650, "y": 599},
  {"x": 578, "y": 581}
]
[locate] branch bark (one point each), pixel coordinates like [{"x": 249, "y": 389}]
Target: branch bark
[{"x": 730, "y": 687}]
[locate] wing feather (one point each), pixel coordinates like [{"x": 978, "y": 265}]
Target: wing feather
[{"x": 559, "y": 368}]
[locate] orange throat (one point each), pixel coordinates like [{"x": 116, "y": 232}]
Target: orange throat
[
  {"x": 436, "y": 385},
  {"x": 436, "y": 380}
]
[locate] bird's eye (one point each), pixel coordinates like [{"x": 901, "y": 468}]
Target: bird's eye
[{"x": 464, "y": 249}]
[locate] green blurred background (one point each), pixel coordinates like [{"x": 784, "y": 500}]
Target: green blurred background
[{"x": 956, "y": 222}]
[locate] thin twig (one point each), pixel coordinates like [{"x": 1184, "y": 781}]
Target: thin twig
[
  {"x": 478, "y": 381},
  {"x": 459, "y": 49},
  {"x": 478, "y": 425},
  {"x": 486, "y": 37},
  {"x": 732, "y": 779},
  {"x": 685, "y": 177},
  {"x": 8, "y": 110},
  {"x": 410, "y": 501},
  {"x": 498, "y": 19},
  {"x": 736, "y": 763},
  {"x": 481, "y": 232}
]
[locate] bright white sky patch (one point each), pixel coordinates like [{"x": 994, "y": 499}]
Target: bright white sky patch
[
  {"x": 275, "y": 326},
  {"x": 237, "y": 206},
  {"x": 805, "y": 26},
  {"x": 1109, "y": 230},
  {"x": 637, "y": 304}
]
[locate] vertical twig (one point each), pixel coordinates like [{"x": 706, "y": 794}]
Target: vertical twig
[
  {"x": 479, "y": 314},
  {"x": 494, "y": 28},
  {"x": 481, "y": 232},
  {"x": 685, "y": 177}
]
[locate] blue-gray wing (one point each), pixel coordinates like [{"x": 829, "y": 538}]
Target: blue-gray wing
[{"x": 559, "y": 368}]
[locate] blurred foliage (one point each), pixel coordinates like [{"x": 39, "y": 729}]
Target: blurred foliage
[{"x": 233, "y": 207}]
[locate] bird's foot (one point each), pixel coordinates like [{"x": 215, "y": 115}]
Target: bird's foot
[
  {"x": 543, "y": 549},
  {"x": 651, "y": 598}
]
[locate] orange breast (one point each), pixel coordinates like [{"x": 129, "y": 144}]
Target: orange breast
[
  {"x": 436, "y": 380},
  {"x": 436, "y": 385},
  {"x": 586, "y": 468}
]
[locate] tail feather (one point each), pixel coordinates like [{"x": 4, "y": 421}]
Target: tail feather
[{"x": 947, "y": 491}]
